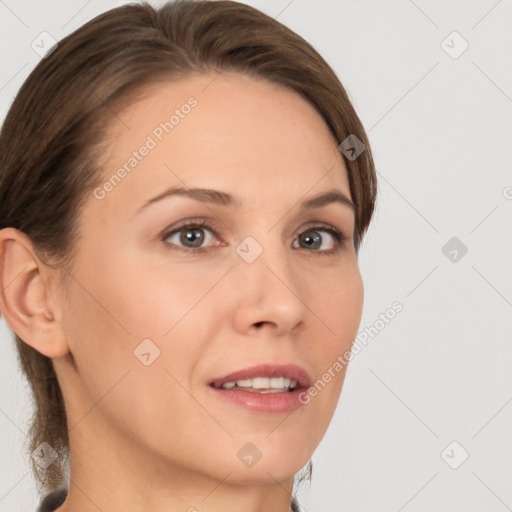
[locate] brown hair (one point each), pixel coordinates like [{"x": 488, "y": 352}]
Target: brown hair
[{"x": 51, "y": 138}]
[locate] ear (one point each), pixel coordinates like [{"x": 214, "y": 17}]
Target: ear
[{"x": 26, "y": 298}]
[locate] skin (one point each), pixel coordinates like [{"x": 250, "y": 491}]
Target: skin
[{"x": 153, "y": 437}]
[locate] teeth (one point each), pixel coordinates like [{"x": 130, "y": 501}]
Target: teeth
[
  {"x": 277, "y": 382},
  {"x": 263, "y": 384}
]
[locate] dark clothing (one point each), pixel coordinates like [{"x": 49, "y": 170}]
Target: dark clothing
[
  {"x": 53, "y": 500},
  {"x": 56, "y": 498}
]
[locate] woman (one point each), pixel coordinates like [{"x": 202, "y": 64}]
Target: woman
[{"x": 183, "y": 194}]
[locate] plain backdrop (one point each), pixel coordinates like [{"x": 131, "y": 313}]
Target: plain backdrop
[{"x": 424, "y": 418}]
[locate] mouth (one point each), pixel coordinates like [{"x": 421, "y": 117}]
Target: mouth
[{"x": 264, "y": 388}]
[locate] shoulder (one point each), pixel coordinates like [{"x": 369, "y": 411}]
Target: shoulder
[{"x": 53, "y": 500}]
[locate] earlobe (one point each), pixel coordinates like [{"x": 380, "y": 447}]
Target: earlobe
[{"x": 25, "y": 295}]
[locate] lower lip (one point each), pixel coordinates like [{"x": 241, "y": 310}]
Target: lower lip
[{"x": 270, "y": 403}]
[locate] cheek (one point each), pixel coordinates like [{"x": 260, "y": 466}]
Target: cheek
[
  {"x": 347, "y": 306},
  {"x": 150, "y": 322},
  {"x": 337, "y": 302},
  {"x": 339, "y": 306},
  {"x": 106, "y": 326}
]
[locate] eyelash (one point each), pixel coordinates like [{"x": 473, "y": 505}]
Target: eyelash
[{"x": 337, "y": 235}]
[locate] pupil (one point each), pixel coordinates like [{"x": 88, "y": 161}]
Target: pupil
[{"x": 195, "y": 236}]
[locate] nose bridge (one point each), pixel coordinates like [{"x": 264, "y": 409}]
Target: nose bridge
[
  {"x": 269, "y": 289},
  {"x": 265, "y": 261}
]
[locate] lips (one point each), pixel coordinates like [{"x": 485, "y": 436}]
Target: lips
[
  {"x": 250, "y": 395},
  {"x": 289, "y": 371}
]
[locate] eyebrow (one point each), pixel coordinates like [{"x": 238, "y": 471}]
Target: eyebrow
[{"x": 220, "y": 198}]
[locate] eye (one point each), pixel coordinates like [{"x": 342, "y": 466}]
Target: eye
[
  {"x": 191, "y": 236},
  {"x": 313, "y": 239},
  {"x": 199, "y": 236}
]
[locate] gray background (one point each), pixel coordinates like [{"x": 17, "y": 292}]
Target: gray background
[{"x": 441, "y": 130}]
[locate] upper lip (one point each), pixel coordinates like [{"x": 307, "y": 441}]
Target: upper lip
[{"x": 290, "y": 371}]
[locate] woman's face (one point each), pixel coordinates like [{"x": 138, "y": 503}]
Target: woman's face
[{"x": 154, "y": 315}]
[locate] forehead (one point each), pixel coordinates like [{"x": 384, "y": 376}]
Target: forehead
[{"x": 225, "y": 131}]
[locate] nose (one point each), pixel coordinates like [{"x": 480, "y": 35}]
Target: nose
[{"x": 269, "y": 293}]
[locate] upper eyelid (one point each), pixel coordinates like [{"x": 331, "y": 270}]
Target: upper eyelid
[{"x": 189, "y": 225}]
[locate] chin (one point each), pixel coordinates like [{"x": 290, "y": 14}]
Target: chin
[
  {"x": 263, "y": 473},
  {"x": 267, "y": 462}
]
